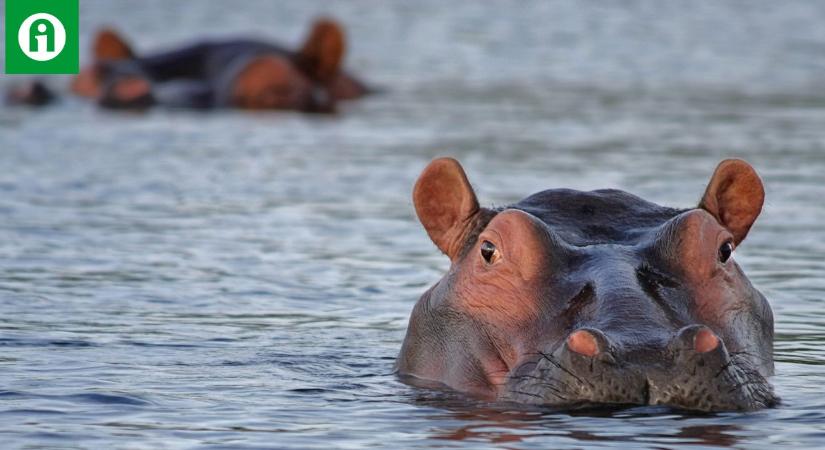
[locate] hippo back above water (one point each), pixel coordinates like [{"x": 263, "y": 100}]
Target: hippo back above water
[{"x": 571, "y": 298}]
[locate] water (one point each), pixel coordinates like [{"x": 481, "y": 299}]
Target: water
[{"x": 228, "y": 280}]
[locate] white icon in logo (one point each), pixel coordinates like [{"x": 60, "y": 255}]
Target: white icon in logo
[{"x": 41, "y": 37}]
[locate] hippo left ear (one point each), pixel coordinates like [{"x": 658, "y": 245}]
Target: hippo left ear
[
  {"x": 445, "y": 204},
  {"x": 110, "y": 46},
  {"x": 323, "y": 51},
  {"x": 734, "y": 196}
]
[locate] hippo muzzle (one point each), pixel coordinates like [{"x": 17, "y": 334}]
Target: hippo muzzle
[
  {"x": 694, "y": 371},
  {"x": 571, "y": 299}
]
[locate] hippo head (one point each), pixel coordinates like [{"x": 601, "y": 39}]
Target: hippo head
[
  {"x": 108, "y": 47},
  {"x": 571, "y": 298},
  {"x": 298, "y": 82}
]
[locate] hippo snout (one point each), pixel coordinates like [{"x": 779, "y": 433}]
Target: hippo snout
[{"x": 692, "y": 370}]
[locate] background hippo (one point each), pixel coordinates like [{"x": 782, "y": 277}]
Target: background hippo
[
  {"x": 239, "y": 73},
  {"x": 578, "y": 298}
]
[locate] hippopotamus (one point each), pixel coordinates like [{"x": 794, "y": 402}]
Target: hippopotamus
[
  {"x": 31, "y": 93},
  {"x": 233, "y": 73},
  {"x": 571, "y": 299}
]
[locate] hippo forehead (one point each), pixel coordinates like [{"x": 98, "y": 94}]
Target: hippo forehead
[{"x": 605, "y": 216}]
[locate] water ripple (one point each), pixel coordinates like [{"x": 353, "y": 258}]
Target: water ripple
[{"x": 228, "y": 280}]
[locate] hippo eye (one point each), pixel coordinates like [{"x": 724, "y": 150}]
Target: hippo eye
[
  {"x": 489, "y": 252},
  {"x": 725, "y": 251}
]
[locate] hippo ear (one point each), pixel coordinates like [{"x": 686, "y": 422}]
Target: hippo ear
[
  {"x": 110, "y": 46},
  {"x": 734, "y": 196},
  {"x": 323, "y": 51},
  {"x": 445, "y": 204}
]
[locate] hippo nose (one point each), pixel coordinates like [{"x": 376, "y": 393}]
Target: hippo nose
[
  {"x": 588, "y": 342},
  {"x": 698, "y": 338}
]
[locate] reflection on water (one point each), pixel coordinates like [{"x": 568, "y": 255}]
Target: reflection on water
[
  {"x": 474, "y": 422},
  {"x": 232, "y": 280}
]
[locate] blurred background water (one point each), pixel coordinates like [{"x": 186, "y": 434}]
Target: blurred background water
[{"x": 230, "y": 280}]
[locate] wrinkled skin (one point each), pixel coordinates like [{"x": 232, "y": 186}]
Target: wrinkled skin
[
  {"x": 232, "y": 73},
  {"x": 572, "y": 298}
]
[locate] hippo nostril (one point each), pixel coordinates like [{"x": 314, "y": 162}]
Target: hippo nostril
[
  {"x": 583, "y": 342},
  {"x": 697, "y": 338},
  {"x": 705, "y": 341}
]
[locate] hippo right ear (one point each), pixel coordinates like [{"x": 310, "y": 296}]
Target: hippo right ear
[
  {"x": 446, "y": 204},
  {"x": 734, "y": 196},
  {"x": 322, "y": 55}
]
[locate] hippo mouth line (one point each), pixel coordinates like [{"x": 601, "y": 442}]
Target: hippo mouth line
[{"x": 714, "y": 382}]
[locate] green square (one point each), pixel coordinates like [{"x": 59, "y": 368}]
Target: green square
[{"x": 35, "y": 30}]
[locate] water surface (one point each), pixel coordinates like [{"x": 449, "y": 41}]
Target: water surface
[{"x": 229, "y": 280}]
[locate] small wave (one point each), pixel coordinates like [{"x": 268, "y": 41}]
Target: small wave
[
  {"x": 89, "y": 397},
  {"x": 26, "y": 342}
]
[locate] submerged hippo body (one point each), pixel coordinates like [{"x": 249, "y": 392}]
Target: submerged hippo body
[
  {"x": 572, "y": 298},
  {"x": 233, "y": 73}
]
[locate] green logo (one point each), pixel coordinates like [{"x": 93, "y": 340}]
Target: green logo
[{"x": 42, "y": 36}]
